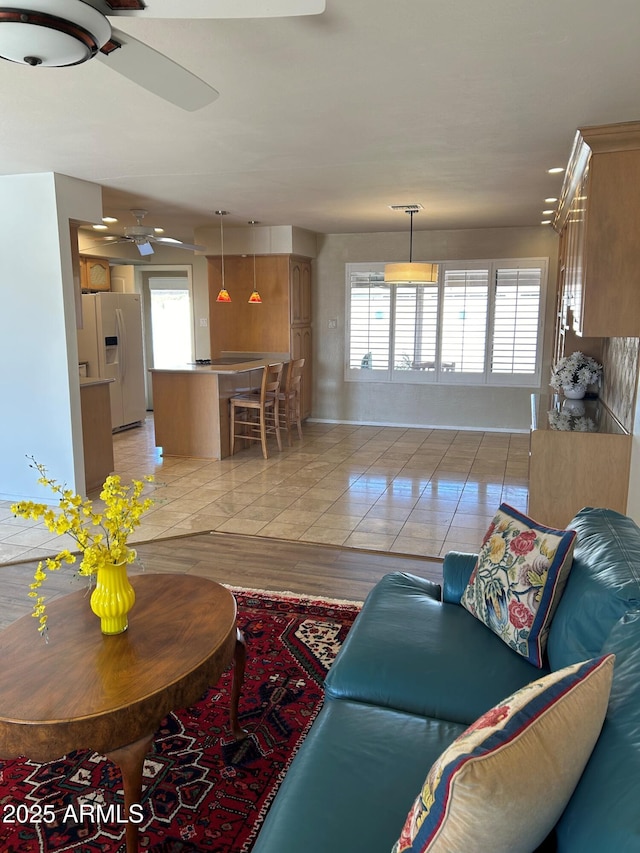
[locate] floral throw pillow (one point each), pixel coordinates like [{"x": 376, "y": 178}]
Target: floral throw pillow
[
  {"x": 504, "y": 782},
  {"x": 518, "y": 580}
]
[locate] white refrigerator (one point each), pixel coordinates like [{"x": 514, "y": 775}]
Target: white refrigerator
[{"x": 110, "y": 341}]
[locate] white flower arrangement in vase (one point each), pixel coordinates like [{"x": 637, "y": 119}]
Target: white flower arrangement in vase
[{"x": 576, "y": 369}]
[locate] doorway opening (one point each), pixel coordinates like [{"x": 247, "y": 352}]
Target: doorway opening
[{"x": 169, "y": 320}]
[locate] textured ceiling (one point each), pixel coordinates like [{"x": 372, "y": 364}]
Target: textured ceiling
[{"x": 324, "y": 121}]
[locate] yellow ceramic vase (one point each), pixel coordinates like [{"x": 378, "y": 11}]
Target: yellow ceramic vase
[{"x": 113, "y": 598}]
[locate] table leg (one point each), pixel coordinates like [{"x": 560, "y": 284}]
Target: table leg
[
  {"x": 240, "y": 659},
  {"x": 130, "y": 760}
]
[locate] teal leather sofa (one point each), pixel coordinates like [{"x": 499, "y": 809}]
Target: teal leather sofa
[{"x": 417, "y": 669}]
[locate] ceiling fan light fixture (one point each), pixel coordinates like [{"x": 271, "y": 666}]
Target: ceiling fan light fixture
[
  {"x": 145, "y": 248},
  {"x": 413, "y": 272},
  {"x": 69, "y": 32}
]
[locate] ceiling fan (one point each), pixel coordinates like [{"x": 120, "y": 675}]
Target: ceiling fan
[
  {"x": 144, "y": 235},
  {"x": 55, "y": 33}
]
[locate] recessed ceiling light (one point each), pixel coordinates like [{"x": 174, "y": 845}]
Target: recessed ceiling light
[
  {"x": 556, "y": 170},
  {"x": 159, "y": 230},
  {"x": 550, "y": 200},
  {"x": 100, "y": 228},
  {"x": 109, "y": 219},
  {"x": 546, "y": 222},
  {"x": 547, "y": 212}
]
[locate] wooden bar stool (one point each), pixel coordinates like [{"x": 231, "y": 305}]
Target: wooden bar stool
[
  {"x": 256, "y": 416},
  {"x": 289, "y": 399}
]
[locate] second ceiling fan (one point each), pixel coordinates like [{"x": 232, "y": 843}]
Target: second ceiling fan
[{"x": 143, "y": 236}]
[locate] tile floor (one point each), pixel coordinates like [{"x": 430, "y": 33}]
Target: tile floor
[{"x": 410, "y": 491}]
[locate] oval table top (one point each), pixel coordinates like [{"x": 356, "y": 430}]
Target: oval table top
[{"x": 85, "y": 690}]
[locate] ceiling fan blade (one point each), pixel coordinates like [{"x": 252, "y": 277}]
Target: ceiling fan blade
[
  {"x": 169, "y": 241},
  {"x": 225, "y": 9},
  {"x": 106, "y": 244},
  {"x": 157, "y": 73}
]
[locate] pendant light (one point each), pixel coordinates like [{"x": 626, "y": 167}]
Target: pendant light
[
  {"x": 413, "y": 272},
  {"x": 223, "y": 296},
  {"x": 254, "y": 299}
]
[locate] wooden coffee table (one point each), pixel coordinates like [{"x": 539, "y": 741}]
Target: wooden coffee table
[{"x": 84, "y": 690}]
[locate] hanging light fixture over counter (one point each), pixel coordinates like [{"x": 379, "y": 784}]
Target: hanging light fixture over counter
[
  {"x": 255, "y": 296},
  {"x": 223, "y": 296},
  {"x": 411, "y": 271}
]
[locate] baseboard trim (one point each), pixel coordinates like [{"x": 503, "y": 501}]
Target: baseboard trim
[{"x": 417, "y": 426}]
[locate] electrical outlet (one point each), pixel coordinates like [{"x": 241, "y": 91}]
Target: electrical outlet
[
  {"x": 204, "y": 322},
  {"x": 333, "y": 324}
]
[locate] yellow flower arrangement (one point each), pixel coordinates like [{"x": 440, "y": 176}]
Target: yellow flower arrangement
[{"x": 101, "y": 537}]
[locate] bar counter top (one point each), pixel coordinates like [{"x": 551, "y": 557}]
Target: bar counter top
[
  {"x": 214, "y": 367},
  {"x": 226, "y": 363},
  {"x": 87, "y": 381}
]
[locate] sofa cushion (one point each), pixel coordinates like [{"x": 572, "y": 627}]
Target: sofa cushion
[
  {"x": 518, "y": 580},
  {"x": 503, "y": 784},
  {"x": 604, "y": 584},
  {"x": 350, "y": 782},
  {"x": 408, "y": 651}
]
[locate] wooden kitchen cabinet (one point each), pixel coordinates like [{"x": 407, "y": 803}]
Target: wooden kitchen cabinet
[
  {"x": 301, "y": 348},
  {"x": 95, "y": 273},
  {"x": 598, "y": 219},
  {"x": 572, "y": 468},
  {"x": 300, "y": 284},
  {"x": 97, "y": 439},
  {"x": 280, "y": 324}
]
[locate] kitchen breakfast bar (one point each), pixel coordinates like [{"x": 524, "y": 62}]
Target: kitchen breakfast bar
[{"x": 191, "y": 402}]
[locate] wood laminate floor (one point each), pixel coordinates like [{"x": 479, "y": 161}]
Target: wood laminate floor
[{"x": 246, "y": 561}]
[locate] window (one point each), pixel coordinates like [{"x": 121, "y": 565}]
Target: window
[{"x": 481, "y": 323}]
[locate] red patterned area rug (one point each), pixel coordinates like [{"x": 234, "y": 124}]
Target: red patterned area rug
[{"x": 203, "y": 791}]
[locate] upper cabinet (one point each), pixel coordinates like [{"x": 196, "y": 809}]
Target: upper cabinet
[
  {"x": 95, "y": 273},
  {"x": 300, "y": 276},
  {"x": 598, "y": 220}
]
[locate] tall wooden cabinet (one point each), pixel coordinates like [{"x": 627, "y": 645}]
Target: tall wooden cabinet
[
  {"x": 598, "y": 220},
  {"x": 581, "y": 458},
  {"x": 300, "y": 340},
  {"x": 281, "y": 323}
]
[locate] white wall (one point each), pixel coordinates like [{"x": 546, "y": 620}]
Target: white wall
[
  {"x": 38, "y": 346},
  {"x": 418, "y": 405}
]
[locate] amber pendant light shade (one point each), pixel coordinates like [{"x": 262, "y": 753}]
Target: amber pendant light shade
[
  {"x": 255, "y": 298},
  {"x": 223, "y": 296}
]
